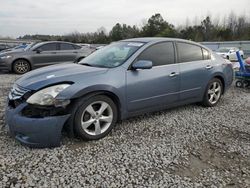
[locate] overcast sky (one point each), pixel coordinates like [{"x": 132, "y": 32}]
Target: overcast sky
[{"x": 19, "y": 17}]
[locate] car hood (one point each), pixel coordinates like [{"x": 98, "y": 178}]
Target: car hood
[{"x": 54, "y": 74}]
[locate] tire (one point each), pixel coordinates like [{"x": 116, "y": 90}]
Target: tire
[
  {"x": 95, "y": 117},
  {"x": 239, "y": 84},
  {"x": 245, "y": 84},
  {"x": 21, "y": 66},
  {"x": 213, "y": 93}
]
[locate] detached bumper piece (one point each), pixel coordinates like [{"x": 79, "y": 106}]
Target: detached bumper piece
[{"x": 35, "y": 131}]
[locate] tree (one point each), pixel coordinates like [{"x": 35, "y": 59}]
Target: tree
[
  {"x": 116, "y": 32},
  {"x": 156, "y": 24},
  {"x": 207, "y": 29}
]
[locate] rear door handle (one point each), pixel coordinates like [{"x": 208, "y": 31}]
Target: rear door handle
[
  {"x": 174, "y": 74},
  {"x": 209, "y": 67}
]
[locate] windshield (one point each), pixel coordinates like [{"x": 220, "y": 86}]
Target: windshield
[
  {"x": 112, "y": 55},
  {"x": 29, "y": 46},
  {"x": 223, "y": 50}
]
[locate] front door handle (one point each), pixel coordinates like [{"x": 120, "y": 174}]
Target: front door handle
[
  {"x": 209, "y": 67},
  {"x": 174, "y": 74}
]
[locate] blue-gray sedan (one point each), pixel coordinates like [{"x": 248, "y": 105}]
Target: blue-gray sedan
[{"x": 121, "y": 80}]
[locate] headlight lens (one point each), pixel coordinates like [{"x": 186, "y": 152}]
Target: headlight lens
[
  {"x": 46, "y": 97},
  {"x": 6, "y": 57}
]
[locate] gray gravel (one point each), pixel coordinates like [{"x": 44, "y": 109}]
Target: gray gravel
[{"x": 189, "y": 146}]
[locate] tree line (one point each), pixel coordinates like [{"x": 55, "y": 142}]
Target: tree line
[{"x": 232, "y": 27}]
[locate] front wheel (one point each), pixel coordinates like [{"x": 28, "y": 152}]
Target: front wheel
[
  {"x": 21, "y": 66},
  {"x": 213, "y": 93},
  {"x": 95, "y": 117}
]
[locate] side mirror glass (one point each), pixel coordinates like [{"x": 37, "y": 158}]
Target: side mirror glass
[{"x": 142, "y": 64}]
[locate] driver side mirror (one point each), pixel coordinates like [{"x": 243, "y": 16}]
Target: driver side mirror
[{"x": 142, "y": 64}]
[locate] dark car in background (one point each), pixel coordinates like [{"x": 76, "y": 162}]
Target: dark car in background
[
  {"x": 18, "y": 47},
  {"x": 121, "y": 80},
  {"x": 4, "y": 47},
  {"x": 42, "y": 54}
]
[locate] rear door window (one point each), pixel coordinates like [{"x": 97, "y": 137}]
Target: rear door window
[
  {"x": 159, "y": 54},
  {"x": 189, "y": 52},
  {"x": 64, "y": 46},
  {"x": 77, "y": 47}
]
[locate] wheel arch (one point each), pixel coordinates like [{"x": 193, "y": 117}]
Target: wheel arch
[
  {"x": 109, "y": 94},
  {"x": 221, "y": 78},
  {"x": 75, "y": 104}
]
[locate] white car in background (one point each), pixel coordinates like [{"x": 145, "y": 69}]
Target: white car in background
[{"x": 229, "y": 53}]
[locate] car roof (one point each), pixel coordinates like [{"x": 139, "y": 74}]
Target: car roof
[
  {"x": 161, "y": 39},
  {"x": 155, "y": 39},
  {"x": 48, "y": 42}
]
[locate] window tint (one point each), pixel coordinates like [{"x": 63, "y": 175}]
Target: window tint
[
  {"x": 206, "y": 54},
  {"x": 189, "y": 52},
  {"x": 77, "y": 47},
  {"x": 48, "y": 47},
  {"x": 64, "y": 46},
  {"x": 159, "y": 54}
]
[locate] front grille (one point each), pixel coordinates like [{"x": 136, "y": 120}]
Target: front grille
[{"x": 17, "y": 92}]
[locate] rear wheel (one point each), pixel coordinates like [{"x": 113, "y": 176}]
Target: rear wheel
[
  {"x": 21, "y": 66},
  {"x": 95, "y": 117},
  {"x": 213, "y": 93}
]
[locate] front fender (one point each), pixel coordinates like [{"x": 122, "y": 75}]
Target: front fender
[
  {"x": 75, "y": 91},
  {"x": 97, "y": 88}
]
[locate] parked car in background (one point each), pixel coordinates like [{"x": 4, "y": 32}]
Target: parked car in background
[
  {"x": 229, "y": 53},
  {"x": 4, "y": 47},
  {"x": 121, "y": 80},
  {"x": 42, "y": 54},
  {"x": 19, "y": 47}
]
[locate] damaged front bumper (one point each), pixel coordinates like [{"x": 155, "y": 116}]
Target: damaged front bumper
[{"x": 37, "y": 132}]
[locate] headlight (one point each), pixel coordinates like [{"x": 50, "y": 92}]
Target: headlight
[
  {"x": 46, "y": 97},
  {"x": 6, "y": 57}
]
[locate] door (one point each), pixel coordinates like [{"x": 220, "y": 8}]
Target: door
[
  {"x": 195, "y": 70},
  {"x": 46, "y": 54},
  {"x": 154, "y": 87},
  {"x": 68, "y": 53}
]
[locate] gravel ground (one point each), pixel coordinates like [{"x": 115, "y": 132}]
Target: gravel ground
[{"x": 189, "y": 146}]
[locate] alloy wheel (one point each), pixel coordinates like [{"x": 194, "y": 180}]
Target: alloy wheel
[
  {"x": 214, "y": 92},
  {"x": 22, "y": 67},
  {"x": 97, "y": 118}
]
